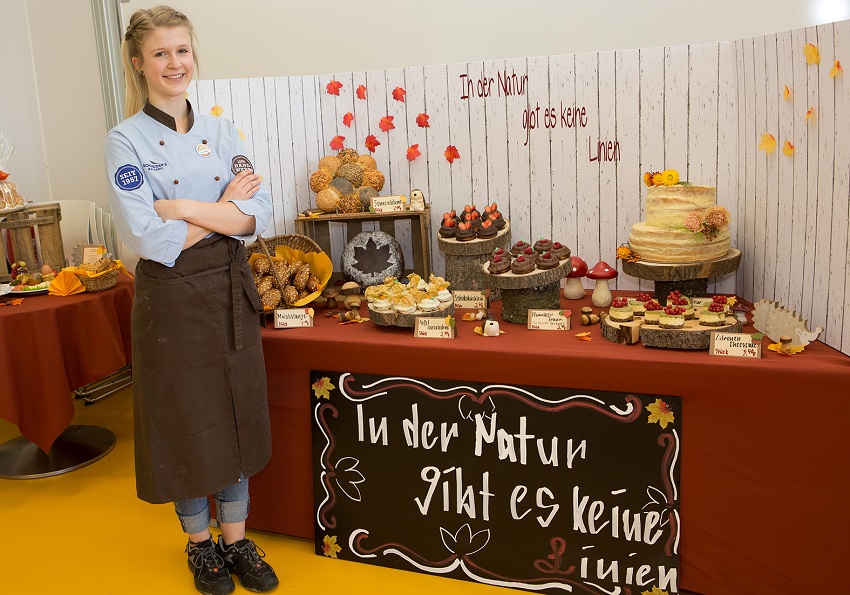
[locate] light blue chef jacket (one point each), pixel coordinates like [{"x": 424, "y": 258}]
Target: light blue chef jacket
[{"x": 148, "y": 160}]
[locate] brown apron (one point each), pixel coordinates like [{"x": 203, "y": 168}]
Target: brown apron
[{"x": 199, "y": 382}]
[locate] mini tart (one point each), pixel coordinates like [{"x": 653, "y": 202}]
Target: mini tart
[
  {"x": 522, "y": 265},
  {"x": 671, "y": 320},
  {"x": 428, "y": 304},
  {"x": 519, "y": 247},
  {"x": 382, "y": 304},
  {"x": 547, "y": 261},
  {"x": 542, "y": 246},
  {"x": 708, "y": 318},
  {"x": 447, "y": 231},
  {"x": 487, "y": 232},
  {"x": 652, "y": 316},
  {"x": 444, "y": 296},
  {"x": 560, "y": 251},
  {"x": 499, "y": 265},
  {"x": 464, "y": 235},
  {"x": 638, "y": 307},
  {"x": 624, "y": 314}
]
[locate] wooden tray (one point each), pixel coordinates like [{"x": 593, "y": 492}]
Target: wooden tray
[
  {"x": 393, "y": 318},
  {"x": 691, "y": 336}
]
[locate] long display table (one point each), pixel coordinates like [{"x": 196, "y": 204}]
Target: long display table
[{"x": 765, "y": 471}]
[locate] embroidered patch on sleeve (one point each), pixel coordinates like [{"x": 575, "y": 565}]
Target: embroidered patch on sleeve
[
  {"x": 129, "y": 177},
  {"x": 240, "y": 163}
]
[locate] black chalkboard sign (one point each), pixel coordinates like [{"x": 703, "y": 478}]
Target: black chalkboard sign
[{"x": 547, "y": 489}]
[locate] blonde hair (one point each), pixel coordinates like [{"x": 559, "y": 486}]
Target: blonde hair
[{"x": 142, "y": 23}]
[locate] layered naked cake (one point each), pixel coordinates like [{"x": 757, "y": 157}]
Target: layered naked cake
[{"x": 683, "y": 224}]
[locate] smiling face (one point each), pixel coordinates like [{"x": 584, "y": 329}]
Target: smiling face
[{"x": 168, "y": 64}]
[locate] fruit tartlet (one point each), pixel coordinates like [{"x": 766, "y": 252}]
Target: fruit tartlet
[
  {"x": 713, "y": 315},
  {"x": 620, "y": 310},
  {"x": 652, "y": 313},
  {"x": 672, "y": 317},
  {"x": 675, "y": 298}
]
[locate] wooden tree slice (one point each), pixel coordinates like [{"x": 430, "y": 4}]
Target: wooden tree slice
[
  {"x": 477, "y": 246},
  {"x": 621, "y": 332},
  {"x": 393, "y": 318},
  {"x": 692, "y": 336},
  {"x": 659, "y": 271},
  {"x": 535, "y": 278}
]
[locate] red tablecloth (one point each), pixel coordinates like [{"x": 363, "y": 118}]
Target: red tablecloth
[
  {"x": 50, "y": 346},
  {"x": 765, "y": 452}
]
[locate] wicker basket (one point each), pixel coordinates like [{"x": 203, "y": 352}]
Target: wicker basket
[
  {"x": 290, "y": 240},
  {"x": 101, "y": 282}
]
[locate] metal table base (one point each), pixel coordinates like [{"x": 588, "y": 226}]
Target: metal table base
[{"x": 76, "y": 447}]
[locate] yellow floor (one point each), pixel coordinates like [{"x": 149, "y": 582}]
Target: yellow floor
[{"x": 85, "y": 533}]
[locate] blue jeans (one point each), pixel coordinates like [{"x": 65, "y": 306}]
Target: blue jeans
[{"x": 231, "y": 504}]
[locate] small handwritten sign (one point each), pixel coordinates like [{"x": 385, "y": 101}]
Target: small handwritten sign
[
  {"x": 701, "y": 302},
  {"x": 293, "y": 317},
  {"x": 388, "y": 204},
  {"x": 734, "y": 345},
  {"x": 92, "y": 253},
  {"x": 469, "y": 299},
  {"x": 549, "y": 320},
  {"x": 428, "y": 327}
]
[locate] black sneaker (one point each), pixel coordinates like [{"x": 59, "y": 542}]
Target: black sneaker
[
  {"x": 208, "y": 568},
  {"x": 243, "y": 560}
]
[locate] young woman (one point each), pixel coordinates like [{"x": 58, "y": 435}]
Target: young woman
[{"x": 184, "y": 196}]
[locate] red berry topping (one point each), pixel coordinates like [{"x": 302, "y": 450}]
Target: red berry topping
[
  {"x": 620, "y": 302},
  {"x": 715, "y": 307},
  {"x": 497, "y": 259},
  {"x": 556, "y": 245},
  {"x": 719, "y": 299},
  {"x": 643, "y": 297},
  {"x": 674, "y": 310},
  {"x": 520, "y": 259},
  {"x": 487, "y": 223},
  {"x": 529, "y": 250},
  {"x": 653, "y": 305},
  {"x": 547, "y": 255},
  {"x": 520, "y": 243},
  {"x": 499, "y": 251}
]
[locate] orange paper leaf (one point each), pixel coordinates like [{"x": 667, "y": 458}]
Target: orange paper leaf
[
  {"x": 398, "y": 94},
  {"x": 660, "y": 413},
  {"x": 788, "y": 148},
  {"x": 768, "y": 143},
  {"x": 3, "y": 175},
  {"x": 216, "y": 110},
  {"x": 347, "y": 119},
  {"x": 371, "y": 143},
  {"x": 836, "y": 68},
  {"x": 809, "y": 113},
  {"x": 337, "y": 143},
  {"x": 361, "y": 91},
  {"x": 386, "y": 123},
  {"x": 413, "y": 152},
  {"x": 584, "y": 336},
  {"x": 786, "y": 94},
  {"x": 810, "y": 51},
  {"x": 333, "y": 87},
  {"x": 451, "y": 153},
  {"x": 422, "y": 121}
]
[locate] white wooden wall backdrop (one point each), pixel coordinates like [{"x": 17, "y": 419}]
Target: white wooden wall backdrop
[{"x": 700, "y": 109}]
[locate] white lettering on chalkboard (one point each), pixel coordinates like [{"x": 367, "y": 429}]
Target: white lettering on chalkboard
[
  {"x": 518, "y": 495},
  {"x": 374, "y": 434},
  {"x": 585, "y": 520},
  {"x": 412, "y": 432},
  {"x": 507, "y": 443},
  {"x": 464, "y": 500}
]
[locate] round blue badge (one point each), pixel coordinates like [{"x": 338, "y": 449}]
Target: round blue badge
[{"x": 129, "y": 177}]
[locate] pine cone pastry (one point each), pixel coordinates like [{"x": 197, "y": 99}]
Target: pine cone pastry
[
  {"x": 265, "y": 284},
  {"x": 271, "y": 298},
  {"x": 350, "y": 203},
  {"x": 290, "y": 295},
  {"x": 348, "y": 155},
  {"x": 353, "y": 172},
  {"x": 301, "y": 277},
  {"x": 262, "y": 265}
]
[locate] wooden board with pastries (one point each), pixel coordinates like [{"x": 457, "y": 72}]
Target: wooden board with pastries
[{"x": 693, "y": 336}]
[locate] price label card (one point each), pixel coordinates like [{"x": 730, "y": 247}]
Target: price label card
[
  {"x": 549, "y": 320},
  {"x": 388, "y": 204},
  {"x": 734, "y": 345},
  {"x": 428, "y": 327},
  {"x": 470, "y": 299},
  {"x": 701, "y": 302},
  {"x": 293, "y": 317}
]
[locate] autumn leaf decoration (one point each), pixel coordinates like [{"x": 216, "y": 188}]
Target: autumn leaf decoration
[
  {"x": 809, "y": 113},
  {"x": 398, "y": 94},
  {"x": 659, "y": 413},
  {"x": 810, "y": 51},
  {"x": 413, "y": 152},
  {"x": 333, "y": 87},
  {"x": 655, "y": 591},
  {"x": 347, "y": 119},
  {"x": 216, "y": 110},
  {"x": 361, "y": 92},
  {"x": 788, "y": 149},
  {"x": 768, "y": 143},
  {"x": 337, "y": 143},
  {"x": 792, "y": 349},
  {"x": 835, "y": 70},
  {"x": 330, "y": 548},
  {"x": 371, "y": 143},
  {"x": 323, "y": 387},
  {"x": 386, "y": 123},
  {"x": 422, "y": 121},
  {"x": 451, "y": 153},
  {"x": 786, "y": 94},
  {"x": 585, "y": 336}
]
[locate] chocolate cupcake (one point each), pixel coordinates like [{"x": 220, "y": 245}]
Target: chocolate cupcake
[
  {"x": 560, "y": 251},
  {"x": 547, "y": 260},
  {"x": 497, "y": 219},
  {"x": 500, "y": 252},
  {"x": 499, "y": 265},
  {"x": 465, "y": 232},
  {"x": 541, "y": 245},
  {"x": 487, "y": 229},
  {"x": 519, "y": 247},
  {"x": 448, "y": 229},
  {"x": 521, "y": 265},
  {"x": 530, "y": 254}
]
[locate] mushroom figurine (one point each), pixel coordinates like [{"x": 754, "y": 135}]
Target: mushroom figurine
[
  {"x": 573, "y": 289},
  {"x": 601, "y": 273},
  {"x": 330, "y": 295}
]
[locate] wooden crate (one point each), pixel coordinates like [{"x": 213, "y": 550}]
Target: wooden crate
[
  {"x": 44, "y": 219},
  {"x": 318, "y": 228}
]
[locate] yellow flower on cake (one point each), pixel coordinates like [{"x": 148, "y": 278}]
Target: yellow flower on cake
[
  {"x": 657, "y": 179},
  {"x": 670, "y": 177},
  {"x": 647, "y": 178}
]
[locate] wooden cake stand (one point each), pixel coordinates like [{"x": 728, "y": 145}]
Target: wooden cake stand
[
  {"x": 393, "y": 318},
  {"x": 464, "y": 259},
  {"x": 538, "y": 290},
  {"x": 690, "y": 278},
  {"x": 691, "y": 336}
]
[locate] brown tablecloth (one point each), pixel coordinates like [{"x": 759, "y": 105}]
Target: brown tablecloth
[
  {"x": 50, "y": 346},
  {"x": 765, "y": 472}
]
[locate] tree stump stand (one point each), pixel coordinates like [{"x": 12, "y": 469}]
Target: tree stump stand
[
  {"x": 692, "y": 336},
  {"x": 464, "y": 259},
  {"x": 538, "y": 290},
  {"x": 690, "y": 278}
]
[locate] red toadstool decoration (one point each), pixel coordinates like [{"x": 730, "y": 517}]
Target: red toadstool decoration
[
  {"x": 574, "y": 290},
  {"x": 601, "y": 273}
]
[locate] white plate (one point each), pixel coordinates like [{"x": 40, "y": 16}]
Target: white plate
[{"x": 31, "y": 292}]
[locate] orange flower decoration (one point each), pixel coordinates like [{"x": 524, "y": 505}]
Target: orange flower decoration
[
  {"x": 657, "y": 179},
  {"x": 768, "y": 143},
  {"x": 625, "y": 252},
  {"x": 810, "y": 51},
  {"x": 835, "y": 70},
  {"x": 647, "y": 178},
  {"x": 788, "y": 148}
]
